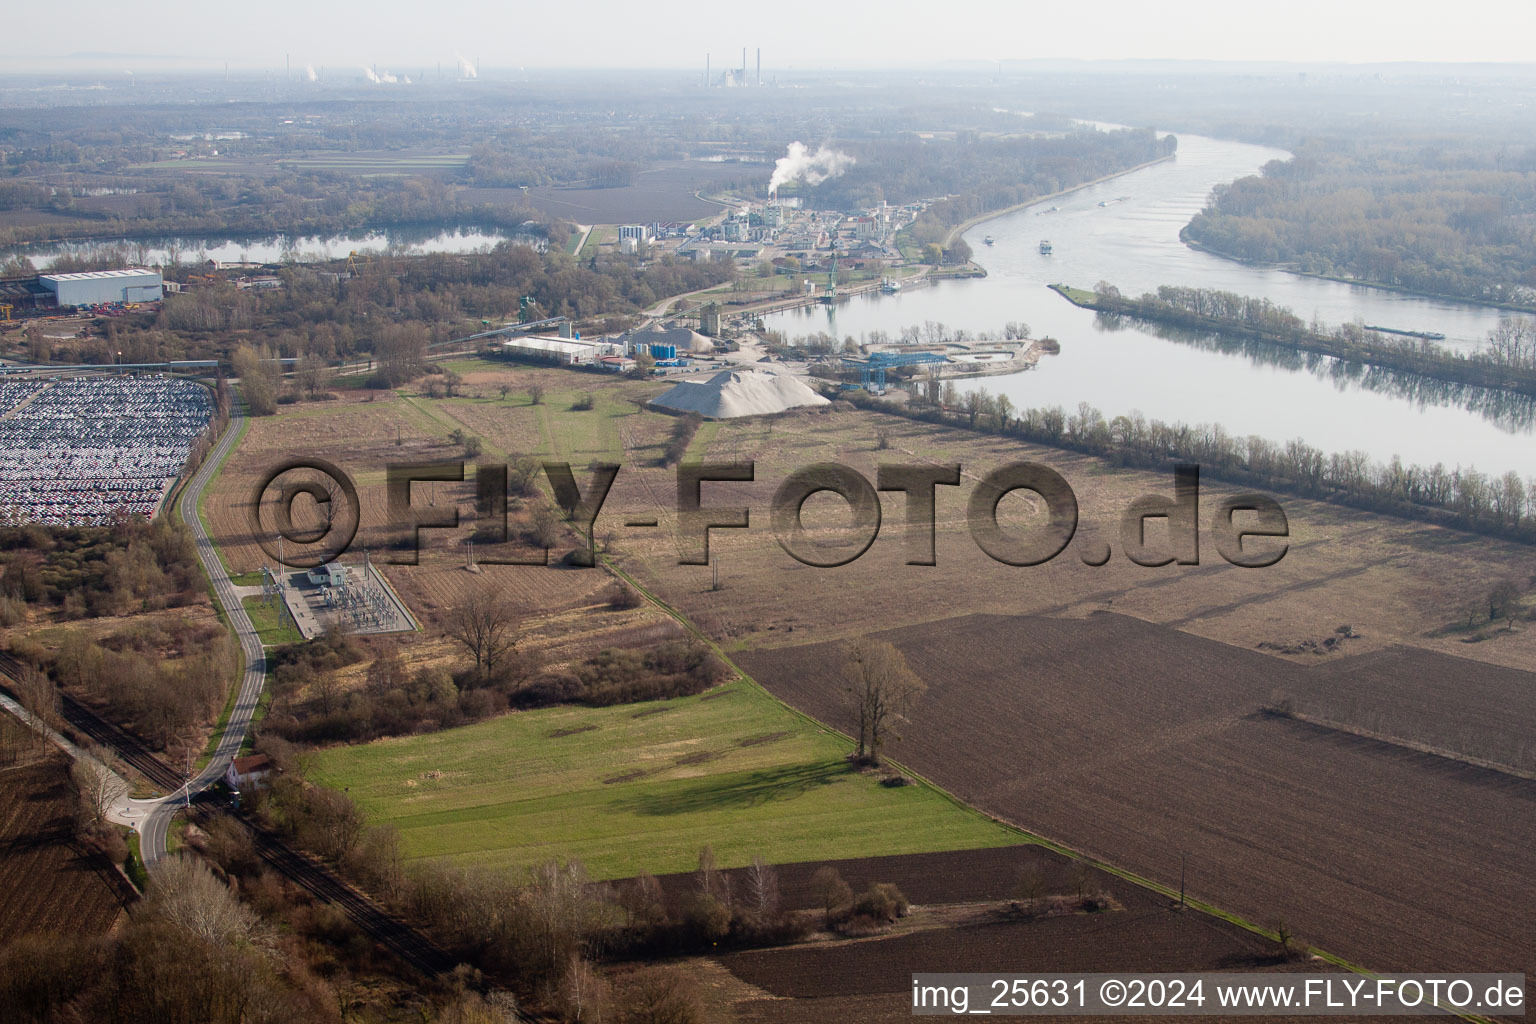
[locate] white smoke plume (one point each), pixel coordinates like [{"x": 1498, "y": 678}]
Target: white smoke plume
[
  {"x": 466, "y": 69},
  {"x": 377, "y": 79},
  {"x": 800, "y": 164},
  {"x": 309, "y": 73}
]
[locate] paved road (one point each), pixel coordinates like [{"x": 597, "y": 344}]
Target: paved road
[{"x": 152, "y": 834}]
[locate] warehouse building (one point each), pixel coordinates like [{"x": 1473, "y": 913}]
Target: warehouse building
[
  {"x": 101, "y": 286},
  {"x": 563, "y": 351}
]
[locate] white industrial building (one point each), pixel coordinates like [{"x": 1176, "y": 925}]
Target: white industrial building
[
  {"x": 564, "y": 351},
  {"x": 98, "y": 286}
]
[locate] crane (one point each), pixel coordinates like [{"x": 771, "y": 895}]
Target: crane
[{"x": 873, "y": 370}]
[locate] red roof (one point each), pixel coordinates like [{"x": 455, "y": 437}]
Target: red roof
[{"x": 252, "y": 763}]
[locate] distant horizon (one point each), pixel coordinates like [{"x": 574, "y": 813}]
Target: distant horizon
[
  {"x": 108, "y": 63},
  {"x": 796, "y": 35}
]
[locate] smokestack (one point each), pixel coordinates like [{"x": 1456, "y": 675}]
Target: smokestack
[
  {"x": 759, "y": 65},
  {"x": 706, "y": 71},
  {"x": 743, "y": 65},
  {"x": 287, "y": 67}
]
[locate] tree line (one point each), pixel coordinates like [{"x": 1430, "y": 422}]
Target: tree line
[
  {"x": 1506, "y": 362},
  {"x": 1465, "y": 498}
]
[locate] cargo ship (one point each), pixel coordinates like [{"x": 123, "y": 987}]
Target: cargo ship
[{"x": 1426, "y": 335}]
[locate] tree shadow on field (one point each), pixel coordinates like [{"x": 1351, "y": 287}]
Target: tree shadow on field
[{"x": 746, "y": 789}]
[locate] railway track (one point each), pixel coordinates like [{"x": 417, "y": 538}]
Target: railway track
[
  {"x": 128, "y": 748},
  {"x": 400, "y": 938},
  {"x": 389, "y": 931}
]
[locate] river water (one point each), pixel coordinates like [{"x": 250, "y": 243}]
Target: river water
[{"x": 1134, "y": 243}]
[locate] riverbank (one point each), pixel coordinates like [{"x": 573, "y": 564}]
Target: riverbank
[
  {"x": 1407, "y": 357},
  {"x": 1396, "y": 289},
  {"x": 981, "y": 218}
]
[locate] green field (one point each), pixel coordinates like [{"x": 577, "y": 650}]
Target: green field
[
  {"x": 272, "y": 622},
  {"x": 643, "y": 787}
]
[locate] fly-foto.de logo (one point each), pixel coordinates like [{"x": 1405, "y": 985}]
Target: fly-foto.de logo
[{"x": 1249, "y": 530}]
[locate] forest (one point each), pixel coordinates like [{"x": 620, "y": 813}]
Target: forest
[
  {"x": 330, "y": 314},
  {"x": 982, "y": 173},
  {"x": 1449, "y": 218}
]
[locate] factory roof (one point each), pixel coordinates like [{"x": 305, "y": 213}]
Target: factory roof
[
  {"x": 97, "y": 275},
  {"x": 567, "y": 346}
]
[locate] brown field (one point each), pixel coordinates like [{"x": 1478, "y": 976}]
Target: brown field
[
  {"x": 46, "y": 882},
  {"x": 1395, "y": 582},
  {"x": 1452, "y": 705},
  {"x": 1131, "y": 736},
  {"x": 959, "y": 924},
  {"x": 564, "y": 609},
  {"x": 1133, "y": 742},
  {"x": 661, "y": 193}
]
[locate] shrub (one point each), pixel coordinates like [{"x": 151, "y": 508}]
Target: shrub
[
  {"x": 620, "y": 596},
  {"x": 705, "y": 919},
  {"x": 682, "y": 436},
  {"x": 881, "y": 902},
  {"x": 678, "y": 668},
  {"x": 661, "y": 996}
]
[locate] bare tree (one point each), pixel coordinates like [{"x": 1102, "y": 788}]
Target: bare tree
[
  {"x": 483, "y": 622},
  {"x": 39, "y": 696},
  {"x": 763, "y": 888},
  {"x": 1030, "y": 885},
  {"x": 326, "y": 689},
  {"x": 1083, "y": 879},
  {"x": 581, "y": 994},
  {"x": 186, "y": 895},
  {"x": 536, "y": 393},
  {"x": 657, "y": 995},
  {"x": 831, "y": 891},
  {"x": 556, "y": 910},
  {"x": 708, "y": 877},
  {"x": 1503, "y": 599},
  {"x": 544, "y": 524},
  {"x": 882, "y": 689},
  {"x": 94, "y": 779}
]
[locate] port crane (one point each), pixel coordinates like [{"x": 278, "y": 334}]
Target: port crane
[{"x": 872, "y": 372}]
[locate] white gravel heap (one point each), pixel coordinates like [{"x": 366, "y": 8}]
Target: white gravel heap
[
  {"x": 686, "y": 339},
  {"x": 732, "y": 393}
]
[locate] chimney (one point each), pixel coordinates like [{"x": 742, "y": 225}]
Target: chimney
[{"x": 759, "y": 65}]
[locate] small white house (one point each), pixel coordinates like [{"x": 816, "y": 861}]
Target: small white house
[
  {"x": 247, "y": 772},
  {"x": 332, "y": 574}
]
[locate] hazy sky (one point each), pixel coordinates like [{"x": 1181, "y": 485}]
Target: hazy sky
[{"x": 409, "y": 35}]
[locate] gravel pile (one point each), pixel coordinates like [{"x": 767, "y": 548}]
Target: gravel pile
[{"x": 733, "y": 393}]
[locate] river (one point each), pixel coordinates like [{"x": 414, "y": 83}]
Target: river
[{"x": 1134, "y": 243}]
